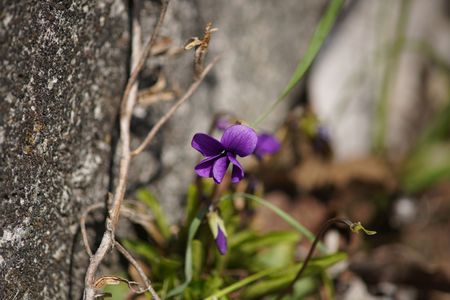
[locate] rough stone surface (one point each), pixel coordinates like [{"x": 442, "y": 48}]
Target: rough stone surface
[{"x": 63, "y": 68}]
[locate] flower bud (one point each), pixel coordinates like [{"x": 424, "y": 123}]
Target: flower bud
[{"x": 218, "y": 231}]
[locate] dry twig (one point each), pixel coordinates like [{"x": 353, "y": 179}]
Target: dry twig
[
  {"x": 174, "y": 108},
  {"x": 128, "y": 102},
  {"x": 141, "y": 272},
  {"x": 201, "y": 48},
  {"x": 157, "y": 92},
  {"x": 143, "y": 219},
  {"x": 83, "y": 225}
]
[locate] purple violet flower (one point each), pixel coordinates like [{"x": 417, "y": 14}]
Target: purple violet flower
[
  {"x": 218, "y": 231},
  {"x": 221, "y": 241},
  {"x": 267, "y": 144},
  {"x": 236, "y": 140}
]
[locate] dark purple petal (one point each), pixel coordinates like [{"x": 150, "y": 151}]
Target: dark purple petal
[
  {"x": 238, "y": 171},
  {"x": 239, "y": 139},
  {"x": 221, "y": 241},
  {"x": 267, "y": 144},
  {"x": 220, "y": 168},
  {"x": 204, "y": 168},
  {"x": 206, "y": 145}
]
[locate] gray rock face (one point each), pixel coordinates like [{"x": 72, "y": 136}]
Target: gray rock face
[{"x": 63, "y": 68}]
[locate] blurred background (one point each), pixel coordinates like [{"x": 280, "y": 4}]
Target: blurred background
[
  {"x": 369, "y": 138},
  {"x": 365, "y": 134}
]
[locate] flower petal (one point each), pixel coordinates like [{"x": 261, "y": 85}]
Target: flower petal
[
  {"x": 221, "y": 241},
  {"x": 206, "y": 145},
  {"x": 223, "y": 123},
  {"x": 239, "y": 139},
  {"x": 238, "y": 171},
  {"x": 220, "y": 168},
  {"x": 204, "y": 168},
  {"x": 267, "y": 144}
]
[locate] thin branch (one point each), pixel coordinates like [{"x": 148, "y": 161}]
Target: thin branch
[
  {"x": 141, "y": 272},
  {"x": 146, "y": 53},
  {"x": 143, "y": 219},
  {"x": 151, "y": 135},
  {"x": 128, "y": 101},
  {"x": 83, "y": 225}
]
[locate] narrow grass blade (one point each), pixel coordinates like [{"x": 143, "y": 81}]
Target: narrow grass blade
[
  {"x": 148, "y": 198},
  {"x": 286, "y": 274},
  {"x": 322, "y": 31},
  {"x": 188, "y": 272}
]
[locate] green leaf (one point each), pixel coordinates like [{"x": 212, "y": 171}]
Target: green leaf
[
  {"x": 266, "y": 287},
  {"x": 167, "y": 283},
  {"x": 286, "y": 217},
  {"x": 279, "y": 255},
  {"x": 188, "y": 259},
  {"x": 191, "y": 203},
  {"x": 322, "y": 31},
  {"x": 278, "y": 281},
  {"x": 241, "y": 283},
  {"x": 315, "y": 266},
  {"x": 197, "y": 258},
  {"x": 161, "y": 266},
  {"x": 274, "y": 249},
  {"x": 240, "y": 237},
  {"x": 118, "y": 292},
  {"x": 148, "y": 198},
  {"x": 143, "y": 249},
  {"x": 270, "y": 239},
  {"x": 212, "y": 283},
  {"x": 328, "y": 284},
  {"x": 302, "y": 287},
  {"x": 327, "y": 261}
]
